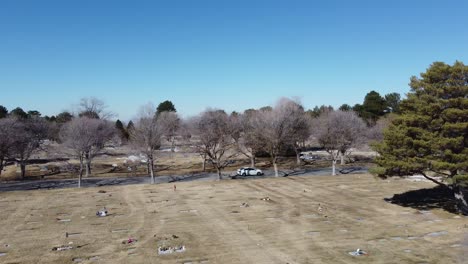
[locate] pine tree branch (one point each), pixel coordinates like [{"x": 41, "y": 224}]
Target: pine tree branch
[
  {"x": 446, "y": 174},
  {"x": 435, "y": 181}
]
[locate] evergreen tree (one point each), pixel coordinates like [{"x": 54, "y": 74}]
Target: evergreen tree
[
  {"x": 89, "y": 114},
  {"x": 345, "y": 107},
  {"x": 130, "y": 126},
  {"x": 64, "y": 117},
  {"x": 166, "y": 106},
  {"x": 3, "y": 111},
  {"x": 358, "y": 109},
  {"x": 325, "y": 109},
  {"x": 315, "y": 112},
  {"x": 430, "y": 135},
  {"x": 50, "y": 118},
  {"x": 373, "y": 108},
  {"x": 34, "y": 113},
  {"x": 393, "y": 101},
  {"x": 18, "y": 112},
  {"x": 266, "y": 108},
  {"x": 121, "y": 130}
]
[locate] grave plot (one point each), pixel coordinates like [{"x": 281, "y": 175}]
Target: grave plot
[{"x": 169, "y": 244}]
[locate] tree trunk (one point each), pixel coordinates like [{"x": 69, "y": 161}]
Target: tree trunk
[
  {"x": 173, "y": 144},
  {"x": 151, "y": 166},
  {"x": 2, "y": 160},
  {"x": 88, "y": 167},
  {"x": 23, "y": 169},
  {"x": 252, "y": 161},
  {"x": 334, "y": 167},
  {"x": 219, "y": 173},
  {"x": 80, "y": 176},
  {"x": 275, "y": 167},
  {"x": 298, "y": 160},
  {"x": 461, "y": 196},
  {"x": 204, "y": 163},
  {"x": 342, "y": 157}
]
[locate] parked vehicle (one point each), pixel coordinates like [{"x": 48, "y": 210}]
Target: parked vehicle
[
  {"x": 248, "y": 171},
  {"x": 308, "y": 157}
]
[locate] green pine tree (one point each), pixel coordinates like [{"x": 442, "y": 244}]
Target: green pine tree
[
  {"x": 430, "y": 135},
  {"x": 166, "y": 106},
  {"x": 3, "y": 111},
  {"x": 373, "y": 108}
]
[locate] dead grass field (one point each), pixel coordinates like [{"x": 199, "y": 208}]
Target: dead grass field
[{"x": 307, "y": 220}]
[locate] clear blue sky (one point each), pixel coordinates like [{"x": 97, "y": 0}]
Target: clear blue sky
[{"x": 232, "y": 55}]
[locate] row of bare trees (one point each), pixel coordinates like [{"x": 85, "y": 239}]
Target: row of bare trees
[
  {"x": 88, "y": 134},
  {"x": 274, "y": 130},
  {"x": 83, "y": 136},
  {"x": 217, "y": 136}
]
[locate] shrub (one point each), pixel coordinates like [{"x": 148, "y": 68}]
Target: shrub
[{"x": 377, "y": 171}]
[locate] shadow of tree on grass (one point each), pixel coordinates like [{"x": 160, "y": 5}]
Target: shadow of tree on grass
[{"x": 426, "y": 199}]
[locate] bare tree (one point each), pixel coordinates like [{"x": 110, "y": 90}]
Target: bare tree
[
  {"x": 337, "y": 132},
  {"x": 28, "y": 136},
  {"x": 185, "y": 131},
  {"x": 189, "y": 131},
  {"x": 86, "y": 138},
  {"x": 299, "y": 125},
  {"x": 246, "y": 135},
  {"x": 275, "y": 128},
  {"x": 238, "y": 132},
  {"x": 146, "y": 136},
  {"x": 215, "y": 138},
  {"x": 7, "y": 139},
  {"x": 92, "y": 107},
  {"x": 170, "y": 121},
  {"x": 375, "y": 133}
]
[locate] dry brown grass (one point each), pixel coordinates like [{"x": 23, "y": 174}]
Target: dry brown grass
[{"x": 308, "y": 220}]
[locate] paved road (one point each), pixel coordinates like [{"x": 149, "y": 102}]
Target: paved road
[{"x": 95, "y": 182}]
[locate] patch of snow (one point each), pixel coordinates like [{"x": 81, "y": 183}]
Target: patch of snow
[{"x": 169, "y": 149}]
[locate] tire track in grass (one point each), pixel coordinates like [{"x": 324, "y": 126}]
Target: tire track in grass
[
  {"x": 287, "y": 208},
  {"x": 247, "y": 245}
]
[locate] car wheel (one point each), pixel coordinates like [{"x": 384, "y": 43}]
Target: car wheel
[
  {"x": 259, "y": 173},
  {"x": 243, "y": 174}
]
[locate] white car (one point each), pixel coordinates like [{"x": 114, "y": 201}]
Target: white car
[
  {"x": 247, "y": 171},
  {"x": 308, "y": 157}
]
